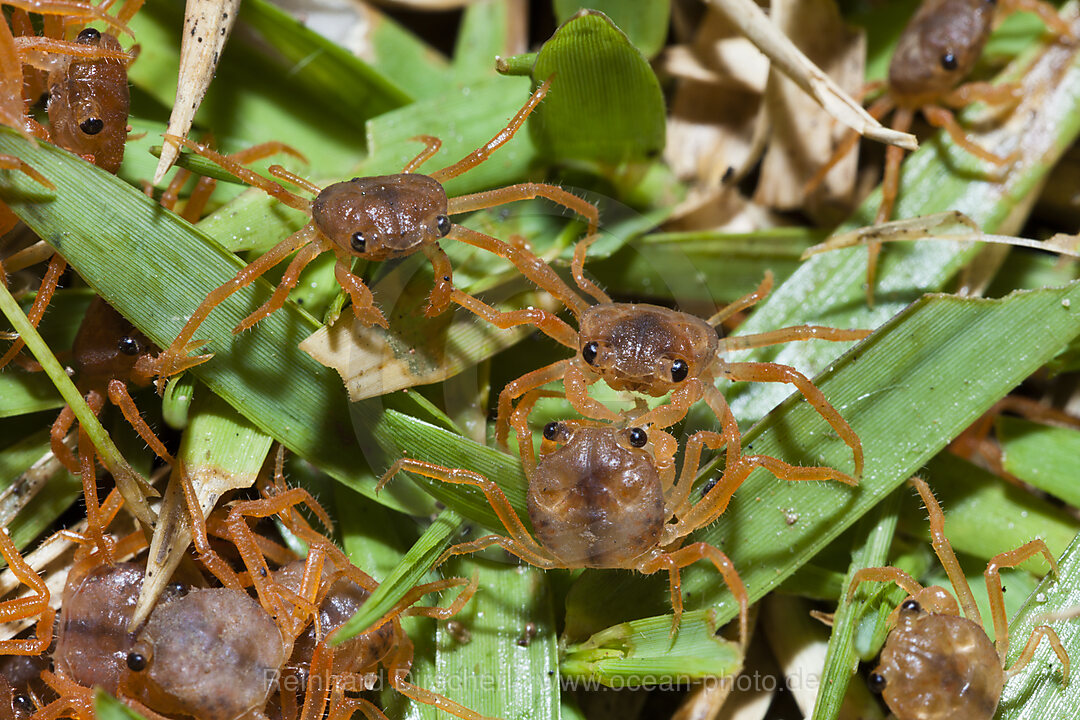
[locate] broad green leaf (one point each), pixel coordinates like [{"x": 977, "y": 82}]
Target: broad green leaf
[
  {"x": 261, "y": 93},
  {"x": 23, "y": 393},
  {"x": 605, "y": 103},
  {"x": 645, "y": 22},
  {"x": 487, "y": 31},
  {"x": 464, "y": 119}
]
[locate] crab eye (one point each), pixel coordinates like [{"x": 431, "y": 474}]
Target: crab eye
[
  {"x": 910, "y": 605},
  {"x": 679, "y": 370},
  {"x": 22, "y": 703},
  {"x": 949, "y": 61},
  {"x": 358, "y": 242},
  {"x": 92, "y": 125},
  {"x": 876, "y": 681},
  {"x": 128, "y": 345},
  {"x": 588, "y": 353},
  {"x": 136, "y": 661},
  {"x": 551, "y": 430},
  {"x": 443, "y": 224},
  {"x": 88, "y": 36},
  {"x": 638, "y": 437}
]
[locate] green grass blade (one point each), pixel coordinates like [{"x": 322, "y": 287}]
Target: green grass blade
[
  {"x": 878, "y": 528},
  {"x": 131, "y": 485},
  {"x": 408, "y": 573},
  {"x": 500, "y": 658}
]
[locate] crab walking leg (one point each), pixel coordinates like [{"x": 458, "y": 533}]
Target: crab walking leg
[
  {"x": 501, "y": 138},
  {"x": 57, "y": 265},
  {"x": 36, "y": 603},
  {"x": 678, "y": 502},
  {"x": 773, "y": 372},
  {"x": 791, "y": 334},
  {"x": 551, "y": 325},
  {"x": 281, "y": 292},
  {"x": 1040, "y": 632},
  {"x": 494, "y": 494},
  {"x": 683, "y": 557},
  {"x": 943, "y": 549},
  {"x": 531, "y": 266},
  {"x": 432, "y": 145},
  {"x": 1012, "y": 558},
  {"x": 120, "y": 397},
  {"x": 884, "y": 575},
  {"x": 577, "y": 267},
  {"x": 941, "y": 118},
  {"x": 746, "y": 301},
  {"x": 173, "y": 359},
  {"x": 715, "y": 502},
  {"x": 528, "y": 191}
]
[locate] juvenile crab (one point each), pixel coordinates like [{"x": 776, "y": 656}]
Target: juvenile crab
[
  {"x": 108, "y": 354},
  {"x": 376, "y": 218},
  {"x": 936, "y": 664},
  {"x": 609, "y": 498},
  {"x": 307, "y": 601},
  {"x": 937, "y": 49},
  {"x": 657, "y": 350}
]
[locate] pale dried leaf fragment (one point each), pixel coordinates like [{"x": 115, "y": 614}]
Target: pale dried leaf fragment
[
  {"x": 711, "y": 130},
  {"x": 207, "y": 24},
  {"x": 789, "y": 60},
  {"x": 799, "y": 644},
  {"x": 415, "y": 351},
  {"x": 803, "y": 136},
  {"x": 172, "y": 534},
  {"x": 950, "y": 225}
]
